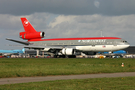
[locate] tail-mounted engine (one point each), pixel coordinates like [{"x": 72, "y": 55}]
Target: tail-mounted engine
[{"x": 35, "y": 35}]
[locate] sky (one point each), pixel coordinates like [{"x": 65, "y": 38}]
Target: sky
[{"x": 67, "y": 18}]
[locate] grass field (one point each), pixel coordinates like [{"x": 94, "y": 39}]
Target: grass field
[
  {"x": 24, "y": 67},
  {"x": 27, "y": 67},
  {"x": 126, "y": 83}
]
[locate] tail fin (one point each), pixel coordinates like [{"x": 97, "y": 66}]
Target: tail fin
[
  {"x": 30, "y": 33},
  {"x": 23, "y": 50},
  {"x": 27, "y": 26}
]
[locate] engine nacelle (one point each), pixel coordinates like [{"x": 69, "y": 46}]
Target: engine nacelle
[
  {"x": 35, "y": 35},
  {"x": 68, "y": 51},
  {"x": 46, "y": 49}
]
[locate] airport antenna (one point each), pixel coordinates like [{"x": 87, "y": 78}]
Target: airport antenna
[{"x": 101, "y": 34}]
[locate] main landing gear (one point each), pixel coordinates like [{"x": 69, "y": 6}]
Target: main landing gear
[{"x": 64, "y": 56}]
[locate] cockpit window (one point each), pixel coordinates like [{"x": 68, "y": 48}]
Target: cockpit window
[{"x": 124, "y": 41}]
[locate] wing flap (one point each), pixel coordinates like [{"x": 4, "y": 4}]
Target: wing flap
[{"x": 42, "y": 47}]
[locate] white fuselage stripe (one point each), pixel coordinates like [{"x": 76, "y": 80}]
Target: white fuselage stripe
[{"x": 101, "y": 47}]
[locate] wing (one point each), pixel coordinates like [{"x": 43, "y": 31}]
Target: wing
[
  {"x": 52, "y": 49},
  {"x": 42, "y": 47}
]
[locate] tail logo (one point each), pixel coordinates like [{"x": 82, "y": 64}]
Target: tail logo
[{"x": 26, "y": 23}]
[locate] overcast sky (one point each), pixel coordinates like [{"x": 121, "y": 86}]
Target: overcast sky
[{"x": 68, "y": 18}]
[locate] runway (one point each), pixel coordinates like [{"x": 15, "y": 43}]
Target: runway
[{"x": 62, "y": 77}]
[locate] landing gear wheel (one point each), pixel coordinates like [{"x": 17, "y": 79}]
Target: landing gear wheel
[{"x": 71, "y": 56}]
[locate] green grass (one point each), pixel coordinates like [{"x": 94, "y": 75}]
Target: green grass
[
  {"x": 27, "y": 67},
  {"x": 23, "y": 67},
  {"x": 126, "y": 83}
]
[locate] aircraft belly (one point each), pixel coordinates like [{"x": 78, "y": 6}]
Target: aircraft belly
[
  {"x": 97, "y": 48},
  {"x": 118, "y": 47},
  {"x": 83, "y": 48}
]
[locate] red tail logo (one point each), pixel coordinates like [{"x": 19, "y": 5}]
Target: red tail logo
[{"x": 25, "y": 23}]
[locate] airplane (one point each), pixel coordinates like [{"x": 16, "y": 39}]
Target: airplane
[
  {"x": 10, "y": 52},
  {"x": 117, "y": 52},
  {"x": 120, "y": 53},
  {"x": 67, "y": 47}
]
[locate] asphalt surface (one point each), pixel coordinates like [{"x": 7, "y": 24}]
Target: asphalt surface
[{"x": 63, "y": 77}]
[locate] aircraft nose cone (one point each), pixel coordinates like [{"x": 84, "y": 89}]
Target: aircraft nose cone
[{"x": 126, "y": 46}]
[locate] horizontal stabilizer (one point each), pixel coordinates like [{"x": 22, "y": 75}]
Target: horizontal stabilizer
[{"x": 21, "y": 42}]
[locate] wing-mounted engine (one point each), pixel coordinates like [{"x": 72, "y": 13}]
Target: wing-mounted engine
[
  {"x": 35, "y": 35},
  {"x": 68, "y": 51},
  {"x": 46, "y": 49}
]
